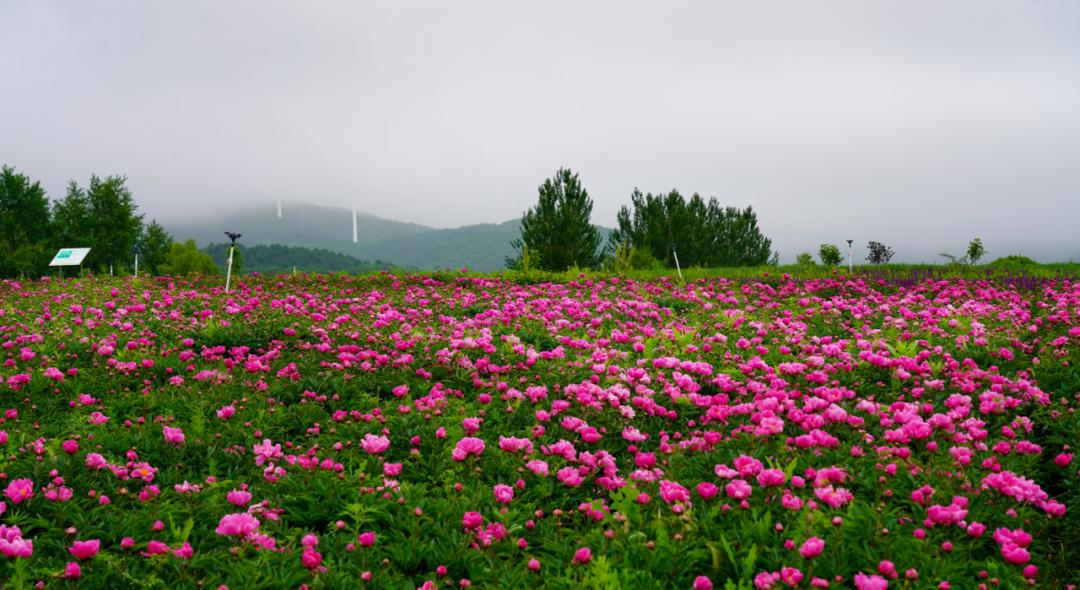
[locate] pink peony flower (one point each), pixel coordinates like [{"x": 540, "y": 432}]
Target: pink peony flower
[
  {"x": 865, "y": 582},
  {"x": 583, "y": 555},
  {"x": 238, "y": 497},
  {"x": 83, "y": 550},
  {"x": 173, "y": 435},
  {"x": 19, "y": 490},
  {"x": 738, "y": 489},
  {"x": 375, "y": 444},
  {"x": 503, "y": 493},
  {"x": 310, "y": 558},
  {"x": 366, "y": 539},
  {"x": 812, "y": 547},
  {"x": 240, "y": 524},
  {"x": 468, "y": 446},
  {"x": 472, "y": 520}
]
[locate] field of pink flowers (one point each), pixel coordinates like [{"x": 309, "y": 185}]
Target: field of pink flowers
[{"x": 450, "y": 431}]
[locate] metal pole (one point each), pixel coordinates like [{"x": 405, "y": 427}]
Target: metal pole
[
  {"x": 136, "y": 265},
  {"x": 850, "y": 267},
  {"x": 228, "y": 271},
  {"x": 673, "y": 253}
]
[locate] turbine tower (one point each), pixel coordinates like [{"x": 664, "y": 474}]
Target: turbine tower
[
  {"x": 279, "y": 207},
  {"x": 354, "y": 224}
]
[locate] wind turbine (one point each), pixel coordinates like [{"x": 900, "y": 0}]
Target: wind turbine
[{"x": 354, "y": 224}]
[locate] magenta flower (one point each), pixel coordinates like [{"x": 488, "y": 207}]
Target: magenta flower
[
  {"x": 472, "y": 520},
  {"x": 375, "y": 444},
  {"x": 173, "y": 435},
  {"x": 738, "y": 489},
  {"x": 865, "y": 582},
  {"x": 583, "y": 555},
  {"x": 72, "y": 571},
  {"x": 503, "y": 493},
  {"x": 707, "y": 490},
  {"x": 310, "y": 558},
  {"x": 19, "y": 490},
  {"x": 703, "y": 583},
  {"x": 1015, "y": 554},
  {"x": 240, "y": 524},
  {"x": 468, "y": 446},
  {"x": 12, "y": 544},
  {"x": 366, "y": 539},
  {"x": 812, "y": 547},
  {"x": 238, "y": 497},
  {"x": 83, "y": 550}
]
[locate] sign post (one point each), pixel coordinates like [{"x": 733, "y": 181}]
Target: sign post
[{"x": 69, "y": 257}]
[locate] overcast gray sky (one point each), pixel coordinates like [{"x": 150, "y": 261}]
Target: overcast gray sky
[{"x": 918, "y": 123}]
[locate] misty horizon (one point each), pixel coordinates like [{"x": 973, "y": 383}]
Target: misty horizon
[{"x": 921, "y": 126}]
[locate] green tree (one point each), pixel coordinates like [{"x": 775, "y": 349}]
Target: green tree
[
  {"x": 830, "y": 255},
  {"x": 975, "y": 251},
  {"x": 557, "y": 231},
  {"x": 71, "y": 216},
  {"x": 186, "y": 258},
  {"x": 805, "y": 259},
  {"x": 154, "y": 246},
  {"x": 702, "y": 233},
  {"x": 115, "y": 224},
  {"x": 103, "y": 217},
  {"x": 25, "y": 225}
]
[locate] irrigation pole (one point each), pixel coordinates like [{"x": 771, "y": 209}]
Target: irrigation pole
[
  {"x": 228, "y": 271},
  {"x": 232, "y": 246}
]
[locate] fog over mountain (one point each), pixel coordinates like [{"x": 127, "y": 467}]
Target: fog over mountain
[{"x": 919, "y": 124}]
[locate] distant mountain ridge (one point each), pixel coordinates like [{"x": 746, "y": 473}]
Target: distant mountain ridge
[{"x": 481, "y": 247}]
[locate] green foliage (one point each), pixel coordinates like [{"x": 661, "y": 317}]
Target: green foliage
[
  {"x": 278, "y": 258},
  {"x": 1014, "y": 262},
  {"x": 805, "y": 259},
  {"x": 975, "y": 251},
  {"x": 703, "y": 233},
  {"x": 557, "y": 229},
  {"x": 830, "y": 255},
  {"x": 154, "y": 246},
  {"x": 626, "y": 258},
  {"x": 185, "y": 259},
  {"x": 25, "y": 225}
]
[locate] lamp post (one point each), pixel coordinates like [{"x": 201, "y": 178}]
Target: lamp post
[
  {"x": 136, "y": 251},
  {"x": 232, "y": 246},
  {"x": 850, "y": 267}
]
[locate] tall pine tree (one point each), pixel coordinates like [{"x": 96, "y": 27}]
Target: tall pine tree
[
  {"x": 701, "y": 233},
  {"x": 556, "y": 234}
]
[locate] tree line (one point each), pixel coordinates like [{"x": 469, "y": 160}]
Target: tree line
[
  {"x": 101, "y": 215},
  {"x": 662, "y": 230}
]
